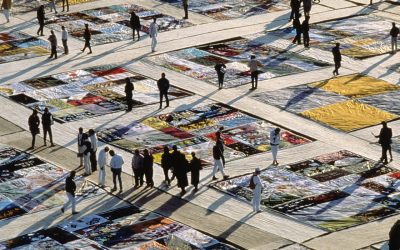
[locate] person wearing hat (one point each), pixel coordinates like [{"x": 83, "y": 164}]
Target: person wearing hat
[
  {"x": 274, "y": 141},
  {"x": 255, "y": 184}
]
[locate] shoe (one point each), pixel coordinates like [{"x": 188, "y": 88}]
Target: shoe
[
  {"x": 136, "y": 186},
  {"x": 214, "y": 178},
  {"x": 45, "y": 144},
  {"x": 226, "y": 177},
  {"x": 82, "y": 50},
  {"x": 385, "y": 162},
  {"x": 90, "y": 52},
  {"x": 52, "y": 145},
  {"x": 76, "y": 212},
  {"x": 167, "y": 106},
  {"x": 62, "y": 210},
  {"x": 121, "y": 190},
  {"x": 391, "y": 159},
  {"x": 113, "y": 189}
]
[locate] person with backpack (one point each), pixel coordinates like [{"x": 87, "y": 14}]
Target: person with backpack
[{"x": 256, "y": 186}]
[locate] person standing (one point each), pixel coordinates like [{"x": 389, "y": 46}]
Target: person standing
[
  {"x": 53, "y": 6},
  {"x": 394, "y": 239},
  {"x": 274, "y": 141},
  {"x": 40, "y": 17},
  {"x": 93, "y": 142},
  {"x": 166, "y": 164},
  {"x": 337, "y": 58},
  {"x": 221, "y": 69},
  {"x": 218, "y": 165},
  {"x": 137, "y": 168},
  {"x": 295, "y": 6},
  {"x": 220, "y": 144},
  {"x": 6, "y": 6},
  {"x": 70, "y": 188},
  {"x": 394, "y": 33},
  {"x": 153, "y": 31},
  {"x": 253, "y": 65},
  {"x": 64, "y": 39},
  {"x": 180, "y": 166},
  {"x": 185, "y": 4},
  {"x": 87, "y": 35},
  {"x": 80, "y": 146},
  {"x": 297, "y": 27},
  {"x": 34, "y": 123},
  {"x": 47, "y": 121},
  {"x": 307, "y": 4},
  {"x": 65, "y": 2},
  {"x": 86, "y": 148},
  {"x": 116, "y": 168},
  {"x": 255, "y": 184},
  {"x": 305, "y": 28},
  {"x": 103, "y": 161},
  {"x": 53, "y": 43},
  {"x": 195, "y": 167},
  {"x": 128, "y": 93},
  {"x": 135, "y": 25},
  {"x": 148, "y": 167},
  {"x": 163, "y": 86},
  {"x": 385, "y": 139}
]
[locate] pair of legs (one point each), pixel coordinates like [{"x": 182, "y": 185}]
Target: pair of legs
[
  {"x": 385, "y": 149},
  {"x": 164, "y": 94},
  {"x": 274, "y": 151},
  {"x": 294, "y": 14},
  {"x": 33, "y": 139},
  {"x": 185, "y": 8},
  {"x": 218, "y": 166},
  {"x": 254, "y": 79},
  {"x": 149, "y": 178},
  {"x": 297, "y": 38},
  {"x": 306, "y": 39},
  {"x": 394, "y": 45},
  {"x": 40, "y": 30},
  {"x": 71, "y": 201},
  {"x": 65, "y": 2},
  {"x": 87, "y": 45},
  {"x": 138, "y": 177},
  {"x": 53, "y": 52},
  {"x": 117, "y": 173},
  {"x": 7, "y": 14},
  {"x": 86, "y": 164},
  {"x": 102, "y": 176},
  {"x": 53, "y": 6},
  {"x": 138, "y": 34},
  {"x": 153, "y": 43},
  {"x": 93, "y": 161},
  {"x": 166, "y": 177},
  {"x": 337, "y": 67},
  {"x": 45, "y": 131},
  {"x": 220, "y": 80},
  {"x": 256, "y": 200},
  {"x": 65, "y": 45},
  {"x": 129, "y": 102}
]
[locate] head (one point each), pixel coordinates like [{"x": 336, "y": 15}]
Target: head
[
  {"x": 112, "y": 153},
  {"x": 106, "y": 149},
  {"x": 85, "y": 136},
  {"x": 34, "y": 112},
  {"x": 80, "y": 130},
  {"x": 257, "y": 171},
  {"x": 193, "y": 154},
  {"x": 384, "y": 124},
  {"x": 133, "y": 13},
  {"x": 162, "y": 75},
  {"x": 128, "y": 80},
  {"x": 91, "y": 132},
  {"x": 63, "y": 27},
  {"x": 46, "y": 110},
  {"x": 166, "y": 149},
  {"x": 394, "y": 24},
  {"x": 154, "y": 20},
  {"x": 337, "y": 45},
  {"x": 253, "y": 57},
  {"x": 137, "y": 152},
  {"x": 175, "y": 148},
  {"x": 72, "y": 174},
  {"x": 277, "y": 130},
  {"x": 86, "y": 26},
  {"x": 52, "y": 32},
  {"x": 146, "y": 152},
  {"x": 41, "y": 7}
]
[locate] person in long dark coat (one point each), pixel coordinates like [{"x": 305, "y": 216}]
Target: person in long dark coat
[
  {"x": 128, "y": 93},
  {"x": 385, "y": 139},
  {"x": 195, "y": 167},
  {"x": 148, "y": 168},
  {"x": 180, "y": 166},
  {"x": 305, "y": 28},
  {"x": 87, "y": 35},
  {"x": 135, "y": 25},
  {"x": 297, "y": 26},
  {"x": 34, "y": 123},
  {"x": 40, "y": 17},
  {"x": 166, "y": 164},
  {"x": 47, "y": 122}
]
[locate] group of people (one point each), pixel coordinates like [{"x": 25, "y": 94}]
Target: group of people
[
  {"x": 34, "y": 126},
  {"x": 301, "y": 27}
]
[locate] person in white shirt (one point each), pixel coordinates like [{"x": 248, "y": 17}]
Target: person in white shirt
[
  {"x": 153, "y": 31},
  {"x": 116, "y": 168},
  {"x": 64, "y": 39},
  {"x": 274, "y": 141},
  {"x": 253, "y": 65},
  {"x": 93, "y": 141},
  {"x": 103, "y": 161},
  {"x": 257, "y": 190},
  {"x": 80, "y": 146}
]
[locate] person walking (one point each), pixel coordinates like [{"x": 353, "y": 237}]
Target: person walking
[
  {"x": 93, "y": 142},
  {"x": 6, "y": 6},
  {"x": 166, "y": 164},
  {"x": 87, "y": 35},
  {"x": 153, "y": 32},
  {"x": 256, "y": 186},
  {"x": 53, "y": 43},
  {"x": 307, "y": 4},
  {"x": 40, "y": 17},
  {"x": 80, "y": 146},
  {"x": 65, "y": 2},
  {"x": 220, "y": 68},
  {"x": 394, "y": 33},
  {"x": 253, "y": 65},
  {"x": 385, "y": 139},
  {"x": 305, "y": 28},
  {"x": 34, "y": 123},
  {"x": 297, "y": 27},
  {"x": 53, "y": 6},
  {"x": 163, "y": 86},
  {"x": 195, "y": 167},
  {"x": 295, "y": 6},
  {"x": 135, "y": 25},
  {"x": 185, "y": 4},
  {"x": 137, "y": 168},
  {"x": 47, "y": 122},
  {"x": 220, "y": 143},
  {"x": 70, "y": 188},
  {"x": 128, "y": 93},
  {"x": 148, "y": 168},
  {"x": 103, "y": 161},
  {"x": 64, "y": 39},
  {"x": 86, "y": 148},
  {"x": 180, "y": 166},
  {"x": 337, "y": 58},
  {"x": 274, "y": 141},
  {"x": 116, "y": 168},
  {"x": 218, "y": 165}
]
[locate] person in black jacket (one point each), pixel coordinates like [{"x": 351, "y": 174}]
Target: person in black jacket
[
  {"x": 34, "y": 123},
  {"x": 220, "y": 144},
  {"x": 148, "y": 168},
  {"x": 86, "y": 148},
  {"x": 128, "y": 93},
  {"x": 47, "y": 121},
  {"x": 221, "y": 69},
  {"x": 40, "y": 17},
  {"x": 218, "y": 165},
  {"x": 337, "y": 58},
  {"x": 87, "y": 35},
  {"x": 180, "y": 166},
  {"x": 394, "y": 33},
  {"x": 297, "y": 26},
  {"x": 385, "y": 139},
  {"x": 163, "y": 86},
  {"x": 295, "y": 6},
  {"x": 195, "y": 167},
  {"x": 70, "y": 188},
  {"x": 394, "y": 236},
  {"x": 305, "y": 28},
  {"x": 135, "y": 25},
  {"x": 166, "y": 164}
]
